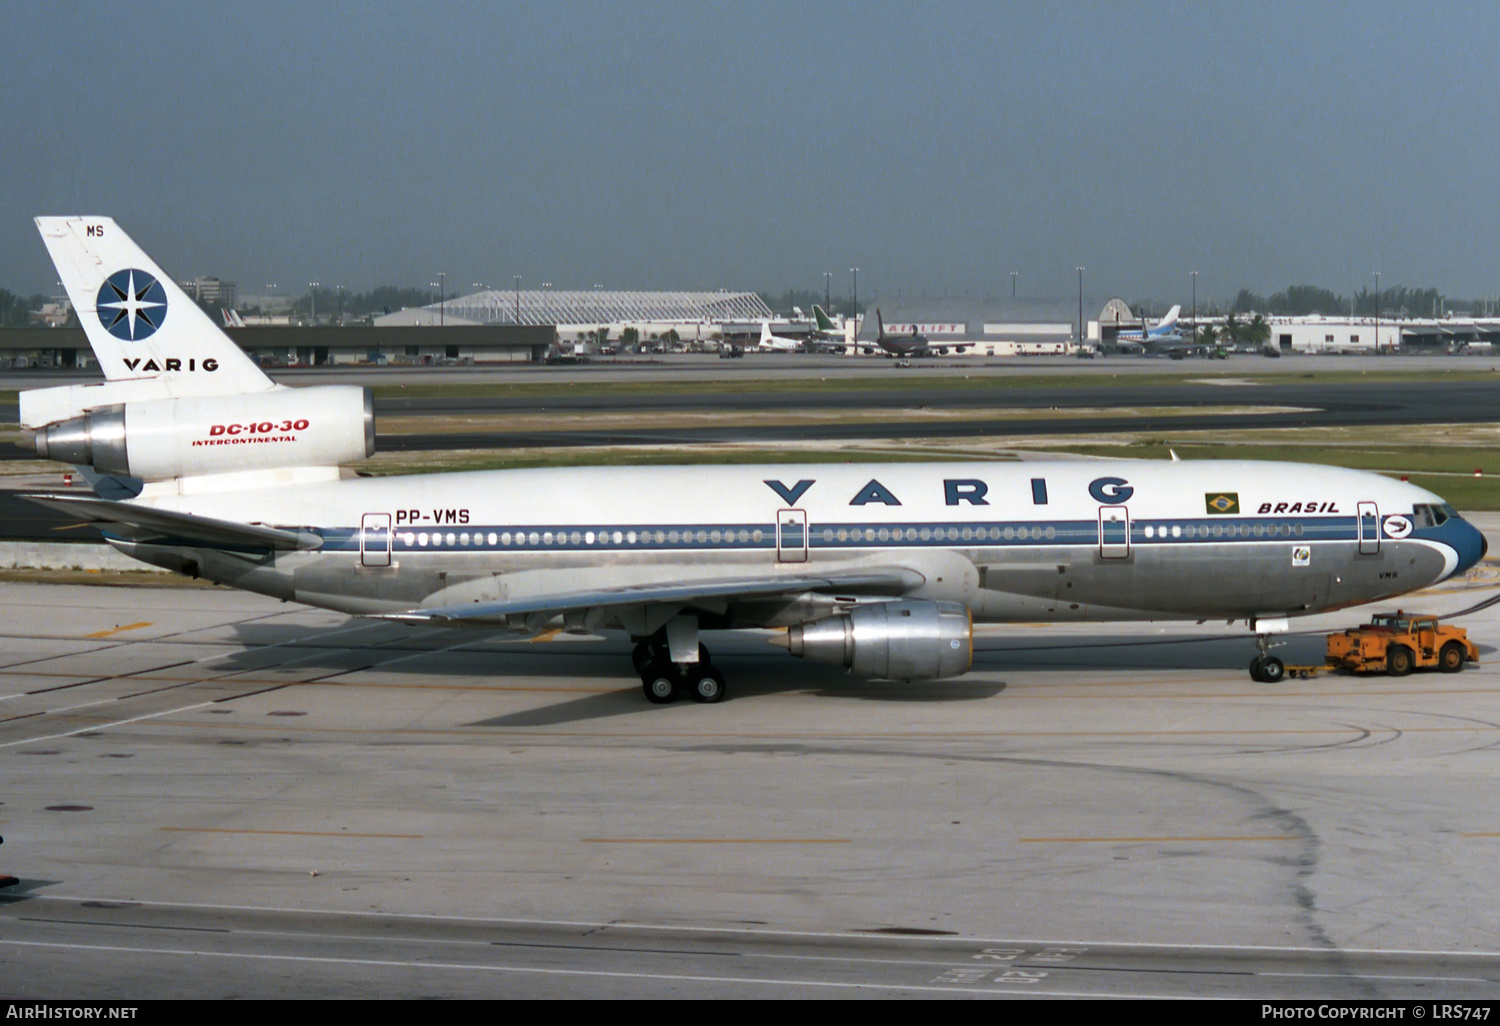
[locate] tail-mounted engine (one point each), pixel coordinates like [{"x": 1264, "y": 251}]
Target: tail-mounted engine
[
  {"x": 160, "y": 439},
  {"x": 907, "y": 640}
]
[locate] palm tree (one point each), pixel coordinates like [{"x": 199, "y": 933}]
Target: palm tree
[
  {"x": 1258, "y": 331},
  {"x": 1233, "y": 333}
]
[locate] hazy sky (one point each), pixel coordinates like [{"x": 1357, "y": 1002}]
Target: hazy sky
[{"x": 933, "y": 145}]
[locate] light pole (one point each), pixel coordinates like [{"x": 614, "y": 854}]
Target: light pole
[
  {"x": 518, "y": 299},
  {"x": 855, "y": 271},
  {"x": 1012, "y": 284},
  {"x": 1080, "y": 305},
  {"x": 1195, "y": 306},
  {"x": 312, "y": 298},
  {"x": 442, "y": 296},
  {"x": 827, "y": 289},
  {"x": 1377, "y": 313}
]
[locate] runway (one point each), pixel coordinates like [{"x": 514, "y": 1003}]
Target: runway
[{"x": 213, "y": 794}]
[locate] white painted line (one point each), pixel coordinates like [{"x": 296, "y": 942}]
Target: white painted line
[
  {"x": 996, "y": 989},
  {"x": 847, "y": 935},
  {"x": 117, "y": 723}
]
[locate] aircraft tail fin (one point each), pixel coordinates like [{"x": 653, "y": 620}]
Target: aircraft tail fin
[
  {"x": 825, "y": 323},
  {"x": 1171, "y": 318},
  {"x": 765, "y": 333},
  {"x": 880, "y": 322},
  {"x": 139, "y": 323}
]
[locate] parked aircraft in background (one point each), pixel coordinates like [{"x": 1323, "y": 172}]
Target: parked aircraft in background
[
  {"x": 776, "y": 342},
  {"x": 834, "y": 336},
  {"x": 207, "y": 468},
  {"x": 1157, "y": 337},
  {"x": 913, "y": 344}
]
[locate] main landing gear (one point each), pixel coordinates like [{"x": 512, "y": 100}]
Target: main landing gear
[{"x": 662, "y": 680}]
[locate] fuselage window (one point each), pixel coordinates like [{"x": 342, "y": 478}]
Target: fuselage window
[
  {"x": 463, "y": 539},
  {"x": 1051, "y": 533},
  {"x": 758, "y": 535},
  {"x": 422, "y": 538}
]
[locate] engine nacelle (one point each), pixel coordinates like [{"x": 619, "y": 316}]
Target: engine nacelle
[
  {"x": 160, "y": 439},
  {"x": 907, "y": 640}
]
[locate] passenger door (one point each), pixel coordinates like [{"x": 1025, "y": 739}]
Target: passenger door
[
  {"x": 1369, "y": 529},
  {"x": 375, "y": 539},
  {"x": 1114, "y": 532},
  {"x": 791, "y": 536}
]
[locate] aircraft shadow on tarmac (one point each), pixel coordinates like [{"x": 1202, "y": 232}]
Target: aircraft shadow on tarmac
[
  {"x": 1141, "y": 652},
  {"x": 753, "y": 671}
]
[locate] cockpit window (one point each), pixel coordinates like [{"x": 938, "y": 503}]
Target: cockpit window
[{"x": 1424, "y": 515}]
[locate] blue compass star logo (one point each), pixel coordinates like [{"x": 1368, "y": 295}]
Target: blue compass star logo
[{"x": 131, "y": 305}]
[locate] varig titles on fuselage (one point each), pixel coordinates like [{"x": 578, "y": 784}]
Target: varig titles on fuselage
[{"x": 959, "y": 490}]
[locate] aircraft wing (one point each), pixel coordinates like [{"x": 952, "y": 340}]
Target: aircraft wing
[
  {"x": 877, "y": 580},
  {"x": 145, "y": 524}
]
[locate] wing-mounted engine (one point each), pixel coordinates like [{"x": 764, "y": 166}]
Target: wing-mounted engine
[
  {"x": 908, "y": 640},
  {"x": 187, "y": 436}
]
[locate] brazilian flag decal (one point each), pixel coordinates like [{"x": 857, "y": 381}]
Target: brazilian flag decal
[{"x": 1222, "y": 502}]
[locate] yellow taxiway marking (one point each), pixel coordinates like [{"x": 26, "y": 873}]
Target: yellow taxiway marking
[
  {"x": 1495, "y": 833},
  {"x": 1153, "y": 840},
  {"x": 119, "y": 630},
  {"x": 546, "y": 635},
  {"x": 286, "y": 833},
  {"x": 717, "y": 840}
]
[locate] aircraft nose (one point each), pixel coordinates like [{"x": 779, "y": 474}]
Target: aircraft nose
[{"x": 1470, "y": 543}]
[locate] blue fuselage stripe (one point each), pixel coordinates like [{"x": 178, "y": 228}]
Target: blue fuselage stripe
[{"x": 1145, "y": 531}]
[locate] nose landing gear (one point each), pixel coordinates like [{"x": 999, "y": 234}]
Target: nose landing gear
[{"x": 1266, "y": 668}]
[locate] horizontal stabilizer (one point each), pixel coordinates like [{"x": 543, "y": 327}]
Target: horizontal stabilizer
[
  {"x": 159, "y": 526},
  {"x": 882, "y": 580}
]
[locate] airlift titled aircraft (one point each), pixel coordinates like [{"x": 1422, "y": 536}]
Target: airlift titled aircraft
[{"x": 205, "y": 467}]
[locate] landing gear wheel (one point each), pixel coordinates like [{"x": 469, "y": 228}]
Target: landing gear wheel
[
  {"x": 1255, "y": 670},
  {"x": 706, "y": 683},
  {"x": 1399, "y": 661},
  {"x": 1451, "y": 658},
  {"x": 1272, "y": 670},
  {"x": 641, "y": 656},
  {"x": 659, "y": 681}
]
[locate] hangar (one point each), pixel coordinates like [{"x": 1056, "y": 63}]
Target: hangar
[{"x": 580, "y": 312}]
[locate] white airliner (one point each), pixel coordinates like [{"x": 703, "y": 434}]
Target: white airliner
[
  {"x": 777, "y": 342},
  {"x": 207, "y": 468}
]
